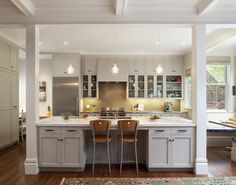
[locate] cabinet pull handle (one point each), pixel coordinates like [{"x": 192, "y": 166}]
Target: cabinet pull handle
[
  {"x": 71, "y": 130},
  {"x": 15, "y": 106},
  {"x": 160, "y": 130},
  {"x": 181, "y": 130},
  {"x": 49, "y": 130}
]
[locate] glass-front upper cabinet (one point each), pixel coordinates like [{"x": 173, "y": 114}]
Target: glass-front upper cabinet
[
  {"x": 89, "y": 86},
  {"x": 173, "y": 86},
  {"x": 131, "y": 84},
  {"x": 141, "y": 87},
  {"x": 150, "y": 86},
  {"x": 93, "y": 86},
  {"x": 159, "y": 86},
  {"x": 85, "y": 86}
]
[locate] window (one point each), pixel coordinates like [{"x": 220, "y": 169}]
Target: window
[
  {"x": 188, "y": 89},
  {"x": 217, "y": 86}
]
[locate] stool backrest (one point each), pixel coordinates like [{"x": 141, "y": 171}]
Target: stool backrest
[
  {"x": 100, "y": 127},
  {"x": 128, "y": 126}
]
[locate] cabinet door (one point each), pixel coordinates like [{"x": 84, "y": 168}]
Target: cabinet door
[
  {"x": 136, "y": 64},
  {"x": 182, "y": 151},
  {"x": 71, "y": 151},
  {"x": 14, "y": 107},
  {"x": 89, "y": 64},
  {"x": 5, "y": 127},
  {"x": 14, "y": 58},
  {"x": 5, "y": 90},
  {"x": 49, "y": 151},
  {"x": 175, "y": 65},
  {"x": 4, "y": 55},
  {"x": 159, "y": 151}
]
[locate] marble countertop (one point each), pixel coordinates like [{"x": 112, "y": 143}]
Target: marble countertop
[{"x": 145, "y": 122}]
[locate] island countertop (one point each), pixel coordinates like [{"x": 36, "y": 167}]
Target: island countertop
[{"x": 144, "y": 122}]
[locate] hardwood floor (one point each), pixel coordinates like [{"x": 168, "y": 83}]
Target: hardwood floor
[{"x": 12, "y": 169}]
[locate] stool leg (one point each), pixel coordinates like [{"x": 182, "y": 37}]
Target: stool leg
[
  {"x": 94, "y": 143},
  {"x": 108, "y": 155},
  {"x": 121, "y": 156},
  {"x": 136, "y": 156}
]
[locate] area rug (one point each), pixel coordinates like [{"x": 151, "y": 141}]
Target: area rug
[{"x": 150, "y": 181}]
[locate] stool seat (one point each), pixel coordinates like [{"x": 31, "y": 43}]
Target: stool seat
[
  {"x": 102, "y": 139},
  {"x": 128, "y": 138}
]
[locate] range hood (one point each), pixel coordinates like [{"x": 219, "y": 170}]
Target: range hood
[{"x": 104, "y": 73}]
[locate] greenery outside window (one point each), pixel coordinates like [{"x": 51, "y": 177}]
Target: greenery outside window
[
  {"x": 188, "y": 89},
  {"x": 217, "y": 86}
]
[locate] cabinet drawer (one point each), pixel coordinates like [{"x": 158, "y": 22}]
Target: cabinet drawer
[
  {"x": 160, "y": 131},
  {"x": 71, "y": 131},
  {"x": 187, "y": 131},
  {"x": 49, "y": 130}
]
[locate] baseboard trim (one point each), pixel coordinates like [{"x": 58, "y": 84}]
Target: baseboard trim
[
  {"x": 31, "y": 167},
  {"x": 201, "y": 166}
]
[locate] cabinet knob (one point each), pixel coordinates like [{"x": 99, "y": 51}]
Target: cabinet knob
[{"x": 169, "y": 139}]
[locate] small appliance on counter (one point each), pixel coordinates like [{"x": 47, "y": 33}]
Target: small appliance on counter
[{"x": 168, "y": 106}]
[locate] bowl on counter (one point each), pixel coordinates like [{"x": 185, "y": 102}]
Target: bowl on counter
[{"x": 155, "y": 117}]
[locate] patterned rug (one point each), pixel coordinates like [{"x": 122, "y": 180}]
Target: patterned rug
[{"x": 150, "y": 181}]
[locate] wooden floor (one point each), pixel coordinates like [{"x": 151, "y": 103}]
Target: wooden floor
[{"x": 12, "y": 169}]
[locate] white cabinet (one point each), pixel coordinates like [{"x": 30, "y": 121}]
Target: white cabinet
[
  {"x": 14, "y": 58},
  {"x": 136, "y": 65},
  {"x": 61, "y": 147},
  {"x": 72, "y": 145},
  {"x": 4, "y": 55},
  {"x": 14, "y": 107},
  {"x": 105, "y": 65},
  {"x": 5, "y": 128},
  {"x": 152, "y": 62},
  {"x": 9, "y": 91},
  {"x": 171, "y": 148},
  {"x": 89, "y": 64},
  {"x": 159, "y": 155},
  {"x": 5, "y": 91},
  {"x": 175, "y": 66}
]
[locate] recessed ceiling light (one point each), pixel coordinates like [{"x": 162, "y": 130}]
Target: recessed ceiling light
[
  {"x": 66, "y": 43},
  {"x": 157, "y": 43},
  {"x": 40, "y": 43}
]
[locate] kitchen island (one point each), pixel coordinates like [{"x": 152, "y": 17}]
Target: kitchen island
[{"x": 163, "y": 144}]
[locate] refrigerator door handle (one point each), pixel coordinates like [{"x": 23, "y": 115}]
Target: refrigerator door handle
[{"x": 77, "y": 106}]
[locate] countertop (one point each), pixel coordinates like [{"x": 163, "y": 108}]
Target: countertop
[{"x": 144, "y": 122}]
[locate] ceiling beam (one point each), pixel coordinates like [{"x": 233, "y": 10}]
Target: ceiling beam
[
  {"x": 25, "y": 6},
  {"x": 206, "y": 6},
  {"x": 120, "y": 7},
  {"x": 219, "y": 37}
]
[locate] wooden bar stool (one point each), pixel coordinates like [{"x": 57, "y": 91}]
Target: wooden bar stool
[
  {"x": 100, "y": 130},
  {"x": 128, "y": 130}
]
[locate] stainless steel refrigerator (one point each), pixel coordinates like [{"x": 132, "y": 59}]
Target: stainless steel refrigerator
[{"x": 65, "y": 95}]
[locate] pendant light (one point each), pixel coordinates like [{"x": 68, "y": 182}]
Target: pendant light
[
  {"x": 159, "y": 69},
  {"x": 70, "y": 69},
  {"x": 115, "y": 69}
]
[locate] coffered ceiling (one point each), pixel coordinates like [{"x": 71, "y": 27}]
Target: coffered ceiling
[{"x": 117, "y": 11}]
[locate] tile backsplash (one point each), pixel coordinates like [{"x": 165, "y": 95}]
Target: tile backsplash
[{"x": 150, "y": 105}]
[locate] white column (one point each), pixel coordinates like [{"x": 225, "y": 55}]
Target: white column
[
  {"x": 32, "y": 103},
  {"x": 199, "y": 95}
]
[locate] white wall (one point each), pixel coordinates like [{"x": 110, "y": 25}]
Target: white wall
[{"x": 45, "y": 74}]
